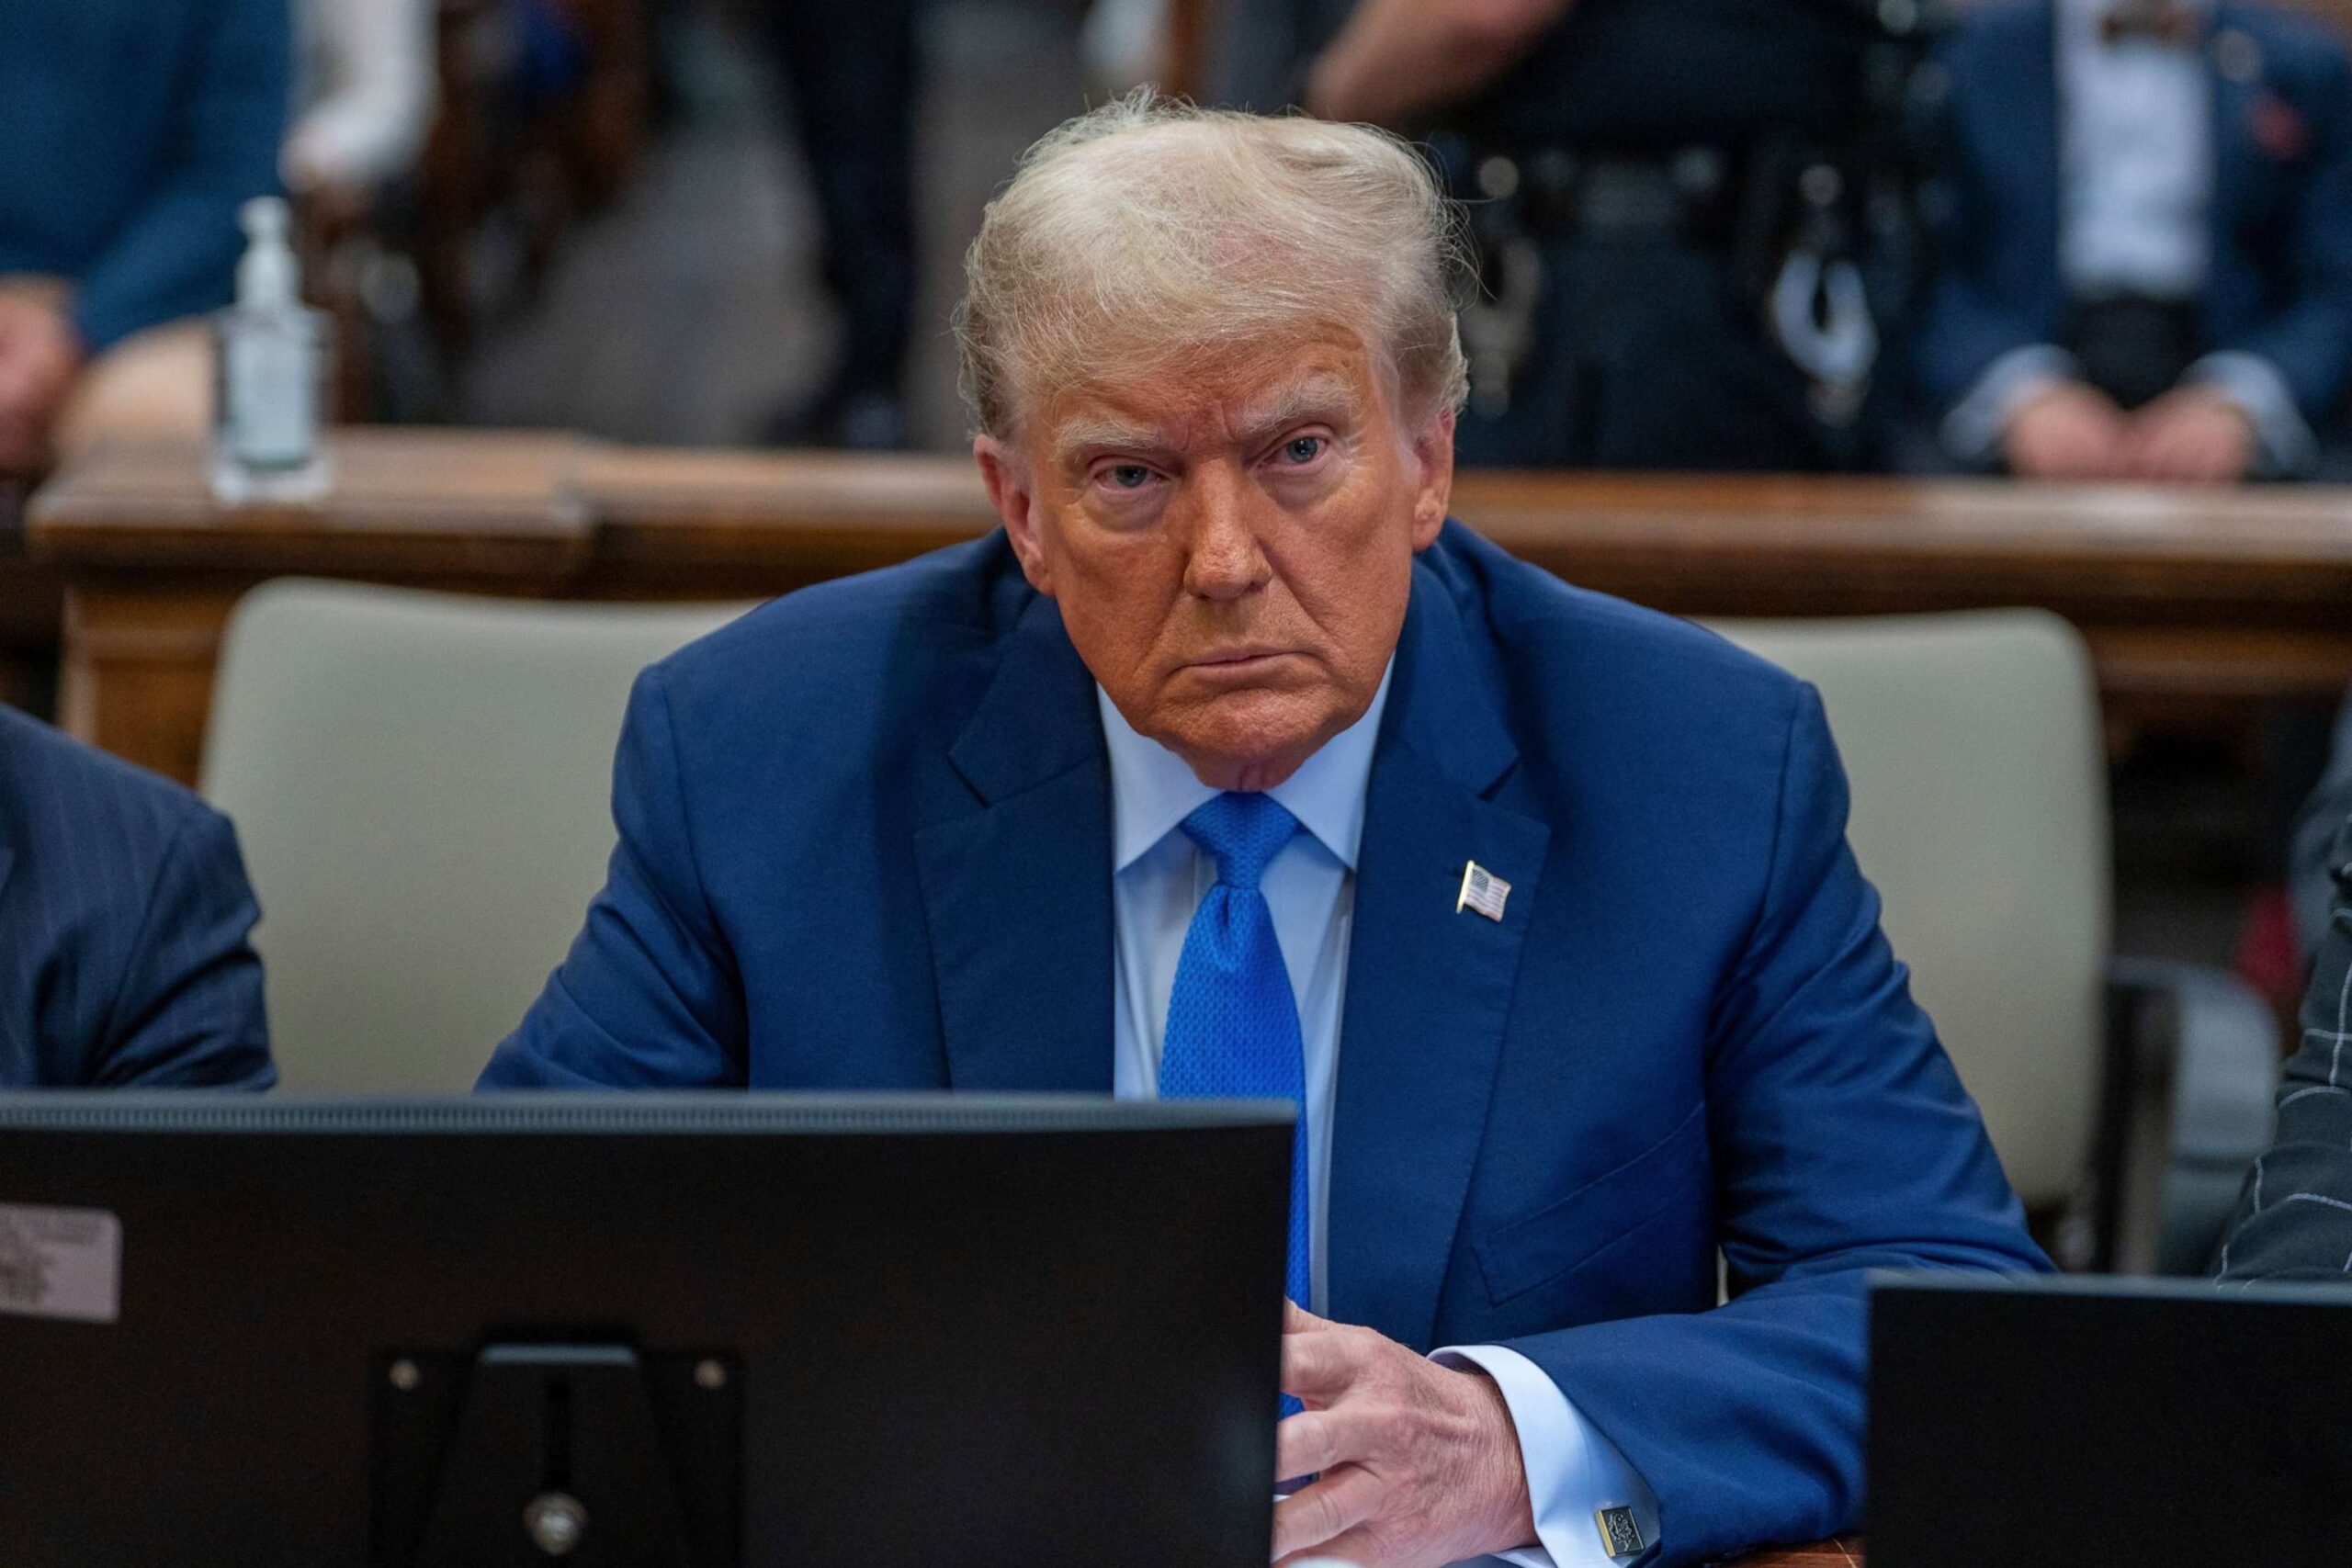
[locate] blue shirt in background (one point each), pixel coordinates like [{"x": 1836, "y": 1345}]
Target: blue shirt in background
[{"x": 134, "y": 129}]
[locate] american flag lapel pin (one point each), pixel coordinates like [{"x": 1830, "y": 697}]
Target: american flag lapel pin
[{"x": 1481, "y": 890}]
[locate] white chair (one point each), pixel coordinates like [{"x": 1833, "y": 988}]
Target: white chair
[
  {"x": 421, "y": 784},
  {"x": 2135, "y": 1093}
]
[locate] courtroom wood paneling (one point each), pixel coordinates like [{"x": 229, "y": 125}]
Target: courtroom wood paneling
[{"x": 2207, "y": 597}]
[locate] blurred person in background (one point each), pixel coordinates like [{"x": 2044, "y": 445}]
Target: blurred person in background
[
  {"x": 2149, "y": 274},
  {"x": 366, "y": 94},
  {"x": 850, "y": 69},
  {"x": 136, "y": 128},
  {"x": 1674, "y": 203}
]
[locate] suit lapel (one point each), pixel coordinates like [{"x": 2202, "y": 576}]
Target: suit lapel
[
  {"x": 1018, "y": 889},
  {"x": 1429, "y": 988}
]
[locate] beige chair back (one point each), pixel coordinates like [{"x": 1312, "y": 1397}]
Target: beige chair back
[
  {"x": 421, "y": 784},
  {"x": 1972, "y": 745}
]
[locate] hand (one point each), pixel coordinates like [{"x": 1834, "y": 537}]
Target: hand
[
  {"x": 40, "y": 354},
  {"x": 1418, "y": 1463},
  {"x": 2191, "y": 435},
  {"x": 2068, "y": 431}
]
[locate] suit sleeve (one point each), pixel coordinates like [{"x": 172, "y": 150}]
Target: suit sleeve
[
  {"x": 2308, "y": 336},
  {"x": 1965, "y": 327},
  {"x": 1843, "y": 1143},
  {"x": 649, "y": 995},
  {"x": 2294, "y": 1218},
  {"x": 188, "y": 1011},
  {"x": 177, "y": 253}
]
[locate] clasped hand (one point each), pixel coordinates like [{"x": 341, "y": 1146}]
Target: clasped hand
[
  {"x": 1417, "y": 1464},
  {"x": 2191, "y": 435}
]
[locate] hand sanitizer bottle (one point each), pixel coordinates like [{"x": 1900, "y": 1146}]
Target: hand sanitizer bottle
[{"x": 270, "y": 368}]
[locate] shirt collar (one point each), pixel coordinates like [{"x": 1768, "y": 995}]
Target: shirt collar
[{"x": 1152, "y": 791}]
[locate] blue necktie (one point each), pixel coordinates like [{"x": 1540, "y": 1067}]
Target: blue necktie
[{"x": 1232, "y": 1020}]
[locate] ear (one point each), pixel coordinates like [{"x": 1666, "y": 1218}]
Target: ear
[
  {"x": 1433, "y": 495},
  {"x": 1013, "y": 492}
]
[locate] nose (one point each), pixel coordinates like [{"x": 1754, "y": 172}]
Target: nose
[{"x": 1225, "y": 561}]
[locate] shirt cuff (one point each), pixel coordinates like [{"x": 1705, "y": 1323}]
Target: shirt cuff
[
  {"x": 1972, "y": 430},
  {"x": 1573, "y": 1473},
  {"x": 2283, "y": 438}
]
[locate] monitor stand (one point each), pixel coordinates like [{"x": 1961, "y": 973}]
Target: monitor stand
[{"x": 527, "y": 1455}]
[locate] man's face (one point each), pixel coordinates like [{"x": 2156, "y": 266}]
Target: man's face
[{"x": 1230, "y": 541}]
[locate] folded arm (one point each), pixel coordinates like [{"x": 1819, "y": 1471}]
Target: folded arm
[{"x": 1396, "y": 59}]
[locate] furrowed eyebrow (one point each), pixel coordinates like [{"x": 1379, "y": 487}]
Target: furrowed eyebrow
[
  {"x": 1325, "y": 395},
  {"x": 1080, "y": 436}
]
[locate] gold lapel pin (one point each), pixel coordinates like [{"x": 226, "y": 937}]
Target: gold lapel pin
[{"x": 1481, "y": 890}]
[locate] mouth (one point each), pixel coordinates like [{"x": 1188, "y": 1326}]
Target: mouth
[{"x": 1239, "y": 661}]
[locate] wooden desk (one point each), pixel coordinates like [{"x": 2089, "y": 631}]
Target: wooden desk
[{"x": 2219, "y": 597}]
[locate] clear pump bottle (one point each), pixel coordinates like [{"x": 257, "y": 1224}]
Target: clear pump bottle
[{"x": 270, "y": 372}]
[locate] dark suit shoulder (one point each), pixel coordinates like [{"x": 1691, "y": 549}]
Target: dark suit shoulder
[
  {"x": 49, "y": 779},
  {"x": 1569, "y": 638},
  {"x": 858, "y": 627},
  {"x": 123, "y": 916}
]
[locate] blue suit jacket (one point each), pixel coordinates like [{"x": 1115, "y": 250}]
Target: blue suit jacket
[
  {"x": 135, "y": 128},
  {"x": 2281, "y": 276},
  {"x": 866, "y": 842},
  {"x": 123, "y": 917}
]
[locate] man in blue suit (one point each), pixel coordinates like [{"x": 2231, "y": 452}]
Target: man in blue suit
[
  {"x": 2149, "y": 269},
  {"x": 1231, "y": 766},
  {"x": 123, "y": 917}
]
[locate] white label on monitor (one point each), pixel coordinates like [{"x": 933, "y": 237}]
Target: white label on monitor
[{"x": 60, "y": 1263}]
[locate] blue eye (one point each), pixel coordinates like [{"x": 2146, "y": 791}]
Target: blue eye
[
  {"x": 1129, "y": 476},
  {"x": 1302, "y": 449}
]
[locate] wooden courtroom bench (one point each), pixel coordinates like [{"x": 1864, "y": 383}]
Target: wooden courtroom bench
[{"x": 2216, "y": 597}]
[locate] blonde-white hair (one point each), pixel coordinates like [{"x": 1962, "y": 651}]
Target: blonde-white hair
[{"x": 1146, "y": 229}]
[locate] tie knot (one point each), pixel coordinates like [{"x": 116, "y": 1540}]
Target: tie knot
[{"x": 1242, "y": 833}]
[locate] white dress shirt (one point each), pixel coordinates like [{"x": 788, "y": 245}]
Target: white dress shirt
[
  {"x": 2135, "y": 192},
  {"x": 368, "y": 90},
  {"x": 1158, "y": 877}
]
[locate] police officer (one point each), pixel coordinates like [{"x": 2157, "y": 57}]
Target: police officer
[
  {"x": 852, "y": 70},
  {"x": 1673, "y": 204}
]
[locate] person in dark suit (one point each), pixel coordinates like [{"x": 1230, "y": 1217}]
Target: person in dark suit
[
  {"x": 1231, "y": 766},
  {"x": 2149, "y": 269},
  {"x": 2295, "y": 1219},
  {"x": 123, "y": 920},
  {"x": 855, "y": 79}
]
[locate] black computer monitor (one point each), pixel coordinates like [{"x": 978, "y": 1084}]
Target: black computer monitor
[
  {"x": 2053, "y": 1422},
  {"x": 619, "y": 1331}
]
